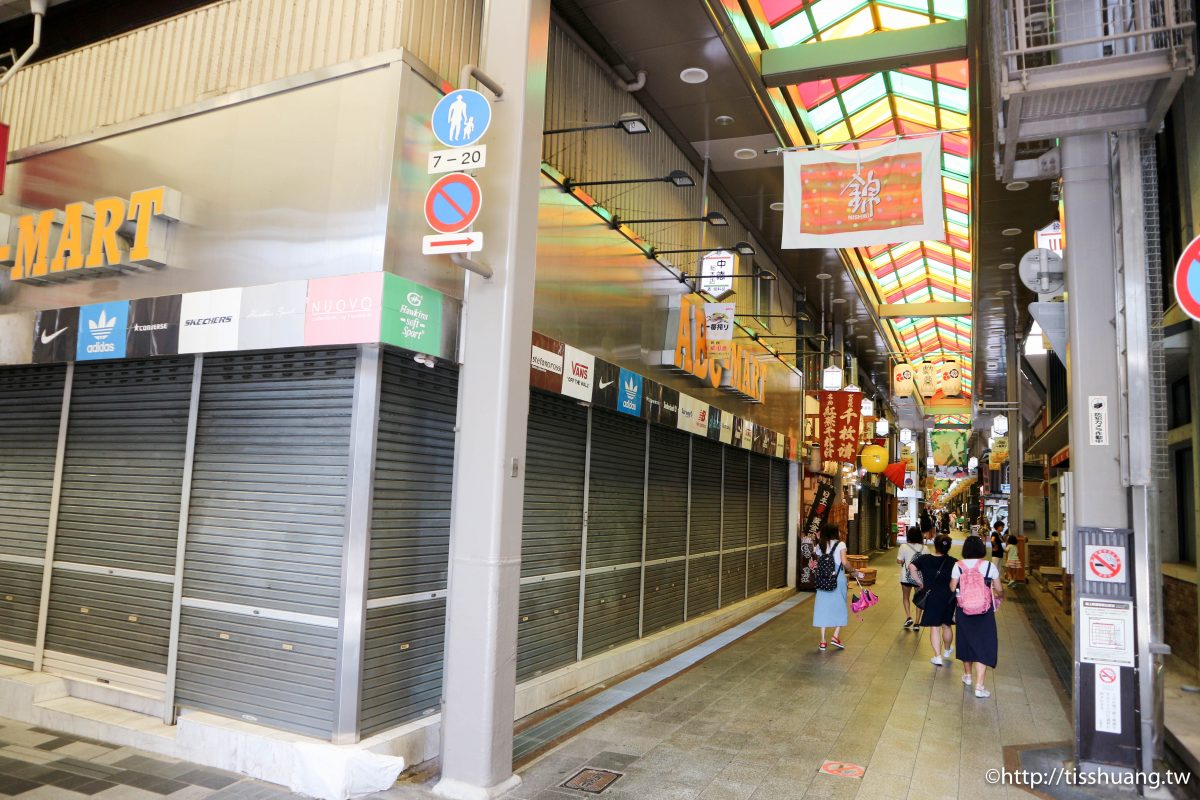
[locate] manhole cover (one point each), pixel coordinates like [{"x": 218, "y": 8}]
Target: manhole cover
[{"x": 592, "y": 780}]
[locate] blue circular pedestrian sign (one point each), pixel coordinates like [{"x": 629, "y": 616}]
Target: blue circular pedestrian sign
[
  {"x": 1187, "y": 279},
  {"x": 461, "y": 118}
]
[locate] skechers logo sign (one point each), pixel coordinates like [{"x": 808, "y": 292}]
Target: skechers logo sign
[{"x": 221, "y": 320}]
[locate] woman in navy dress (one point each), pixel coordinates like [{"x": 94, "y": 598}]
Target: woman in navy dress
[
  {"x": 977, "y": 638},
  {"x": 933, "y": 572}
]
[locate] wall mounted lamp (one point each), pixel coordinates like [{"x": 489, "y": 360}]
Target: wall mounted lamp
[
  {"x": 712, "y": 218},
  {"x": 743, "y": 248},
  {"x": 631, "y": 124},
  {"x": 676, "y": 177}
]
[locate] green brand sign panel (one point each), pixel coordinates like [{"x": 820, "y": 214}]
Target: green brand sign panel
[{"x": 412, "y": 316}]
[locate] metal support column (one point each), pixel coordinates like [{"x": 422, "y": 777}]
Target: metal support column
[
  {"x": 364, "y": 428},
  {"x": 1016, "y": 426},
  {"x": 645, "y": 519},
  {"x": 482, "y": 605},
  {"x": 794, "y": 505},
  {"x": 1099, "y": 500},
  {"x": 39, "y": 646}
]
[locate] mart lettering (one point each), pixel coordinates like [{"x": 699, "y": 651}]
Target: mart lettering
[
  {"x": 735, "y": 370},
  {"x": 110, "y": 233}
]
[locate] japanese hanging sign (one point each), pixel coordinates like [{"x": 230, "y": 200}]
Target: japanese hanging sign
[
  {"x": 855, "y": 198},
  {"x": 841, "y": 414},
  {"x": 949, "y": 447},
  {"x": 903, "y": 380},
  {"x": 999, "y": 452}
]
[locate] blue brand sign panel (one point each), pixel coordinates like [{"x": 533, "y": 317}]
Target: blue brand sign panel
[
  {"x": 461, "y": 118},
  {"x": 629, "y": 393},
  {"x": 102, "y": 330}
]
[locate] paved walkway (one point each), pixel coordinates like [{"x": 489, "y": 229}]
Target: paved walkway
[
  {"x": 754, "y": 720},
  {"x": 758, "y": 719}
]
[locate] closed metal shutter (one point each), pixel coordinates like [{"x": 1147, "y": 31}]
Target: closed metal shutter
[
  {"x": 264, "y": 549},
  {"x": 667, "y": 509},
  {"x": 703, "y": 576},
  {"x": 760, "y": 498},
  {"x": 733, "y": 526},
  {"x": 756, "y": 581},
  {"x": 410, "y": 542},
  {"x": 548, "y": 633},
  {"x": 30, "y": 406},
  {"x": 610, "y": 610},
  {"x": 414, "y": 473},
  {"x": 663, "y": 606},
  {"x": 556, "y": 449},
  {"x": 119, "y": 512},
  {"x": 777, "y": 556},
  {"x": 777, "y": 566},
  {"x": 402, "y": 665},
  {"x": 616, "y": 490}
]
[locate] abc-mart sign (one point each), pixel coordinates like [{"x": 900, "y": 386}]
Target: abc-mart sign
[
  {"x": 109, "y": 235},
  {"x": 736, "y": 371}
]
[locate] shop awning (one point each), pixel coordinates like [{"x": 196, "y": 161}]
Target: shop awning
[{"x": 1053, "y": 439}]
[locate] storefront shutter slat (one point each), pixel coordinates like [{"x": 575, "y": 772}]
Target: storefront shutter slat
[
  {"x": 777, "y": 566},
  {"x": 756, "y": 582},
  {"x": 664, "y": 597},
  {"x": 733, "y": 537},
  {"x": 703, "y": 576},
  {"x": 616, "y": 490},
  {"x": 610, "y": 609},
  {"x": 30, "y": 406},
  {"x": 402, "y": 665},
  {"x": 779, "y": 501},
  {"x": 666, "y": 512},
  {"x": 547, "y": 629},
  {"x": 552, "y": 527},
  {"x": 760, "y": 497}
]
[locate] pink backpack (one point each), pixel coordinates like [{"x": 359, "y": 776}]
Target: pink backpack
[{"x": 974, "y": 595}]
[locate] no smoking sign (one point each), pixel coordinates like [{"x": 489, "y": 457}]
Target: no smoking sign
[
  {"x": 1106, "y": 563},
  {"x": 1108, "y": 675}
]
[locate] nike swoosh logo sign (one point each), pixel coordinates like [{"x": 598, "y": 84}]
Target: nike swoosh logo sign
[
  {"x": 48, "y": 339},
  {"x": 604, "y": 385}
]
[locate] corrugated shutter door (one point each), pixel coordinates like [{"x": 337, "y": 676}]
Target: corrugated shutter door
[
  {"x": 777, "y": 556},
  {"x": 121, "y": 489},
  {"x": 552, "y": 529},
  {"x": 756, "y": 581},
  {"x": 664, "y": 596},
  {"x": 547, "y": 636},
  {"x": 30, "y": 406},
  {"x": 666, "y": 512},
  {"x": 705, "y": 528},
  {"x": 703, "y": 576},
  {"x": 265, "y": 533},
  {"x": 410, "y": 542},
  {"x": 760, "y": 498},
  {"x": 615, "y": 499},
  {"x": 733, "y": 531}
]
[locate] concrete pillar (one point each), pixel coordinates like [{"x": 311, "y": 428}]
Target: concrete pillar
[
  {"x": 479, "y": 691},
  {"x": 1016, "y": 453}
]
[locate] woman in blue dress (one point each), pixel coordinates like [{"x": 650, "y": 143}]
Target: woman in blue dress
[{"x": 829, "y": 608}]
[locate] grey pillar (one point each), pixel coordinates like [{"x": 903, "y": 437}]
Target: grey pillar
[
  {"x": 1016, "y": 455},
  {"x": 479, "y": 690}
]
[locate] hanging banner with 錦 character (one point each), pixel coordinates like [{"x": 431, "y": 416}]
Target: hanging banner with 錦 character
[
  {"x": 949, "y": 447},
  {"x": 855, "y": 198},
  {"x": 841, "y": 414}
]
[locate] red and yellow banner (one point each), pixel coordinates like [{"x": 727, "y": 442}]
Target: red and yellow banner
[{"x": 840, "y": 415}]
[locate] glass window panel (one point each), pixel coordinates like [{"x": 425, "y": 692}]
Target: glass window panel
[
  {"x": 838, "y": 133},
  {"x": 864, "y": 93},
  {"x": 915, "y": 5},
  {"x": 955, "y": 186},
  {"x": 871, "y": 117},
  {"x": 956, "y": 143},
  {"x": 827, "y": 12},
  {"x": 957, "y": 164},
  {"x": 912, "y": 87},
  {"x": 953, "y": 98},
  {"x": 825, "y": 114},
  {"x": 953, "y": 72},
  {"x": 846, "y": 82},
  {"x": 957, "y": 217},
  {"x": 813, "y": 93},
  {"x": 952, "y": 120},
  {"x": 776, "y": 10},
  {"x": 896, "y": 19},
  {"x": 913, "y": 111},
  {"x": 950, "y": 9},
  {"x": 796, "y": 30}
]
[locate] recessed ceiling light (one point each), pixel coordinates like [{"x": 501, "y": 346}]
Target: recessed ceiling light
[
  {"x": 1017, "y": 186},
  {"x": 1003, "y": 293},
  {"x": 1009, "y": 249},
  {"x": 1010, "y": 232},
  {"x": 777, "y": 206},
  {"x": 1007, "y": 265},
  {"x": 745, "y": 153},
  {"x": 724, "y": 120},
  {"x": 994, "y": 346},
  {"x": 838, "y": 300},
  {"x": 694, "y": 75},
  {"x": 862, "y": 336},
  {"x": 824, "y": 276}
]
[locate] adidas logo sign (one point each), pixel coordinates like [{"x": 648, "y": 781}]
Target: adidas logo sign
[
  {"x": 631, "y": 389},
  {"x": 101, "y": 329}
]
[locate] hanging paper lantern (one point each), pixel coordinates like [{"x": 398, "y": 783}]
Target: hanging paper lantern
[
  {"x": 903, "y": 380},
  {"x": 874, "y": 458},
  {"x": 950, "y": 377}
]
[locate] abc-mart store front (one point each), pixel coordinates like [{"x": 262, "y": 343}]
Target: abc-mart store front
[{"x": 226, "y": 465}]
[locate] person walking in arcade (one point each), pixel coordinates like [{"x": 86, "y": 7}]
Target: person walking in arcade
[
  {"x": 977, "y": 582},
  {"x": 831, "y": 565},
  {"x": 932, "y": 573}
]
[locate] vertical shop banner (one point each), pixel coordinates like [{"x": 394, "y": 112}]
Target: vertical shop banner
[
  {"x": 652, "y": 400},
  {"x": 949, "y": 447},
  {"x": 719, "y": 318},
  {"x": 818, "y": 515},
  {"x": 55, "y": 335},
  {"x": 345, "y": 309},
  {"x": 604, "y": 384},
  {"x": 546, "y": 364},
  {"x": 700, "y": 421},
  {"x": 780, "y": 446},
  {"x": 716, "y": 273},
  {"x": 686, "y": 418},
  {"x": 856, "y": 198},
  {"x": 840, "y": 420},
  {"x": 154, "y": 326},
  {"x": 727, "y": 422},
  {"x": 904, "y": 378},
  {"x": 927, "y": 377},
  {"x": 999, "y": 453},
  {"x": 747, "y": 434},
  {"x": 736, "y": 432},
  {"x": 715, "y": 416},
  {"x": 671, "y": 400},
  {"x": 273, "y": 316},
  {"x": 578, "y": 373},
  {"x": 412, "y": 317},
  {"x": 629, "y": 394},
  {"x": 102, "y": 331}
]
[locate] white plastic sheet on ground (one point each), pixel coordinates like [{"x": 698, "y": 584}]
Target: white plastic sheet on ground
[{"x": 337, "y": 773}]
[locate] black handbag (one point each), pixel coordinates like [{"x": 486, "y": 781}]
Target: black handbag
[{"x": 921, "y": 596}]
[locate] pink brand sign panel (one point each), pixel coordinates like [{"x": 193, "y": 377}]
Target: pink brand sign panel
[{"x": 346, "y": 309}]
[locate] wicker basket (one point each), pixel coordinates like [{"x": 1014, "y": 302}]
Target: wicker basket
[
  {"x": 869, "y": 575},
  {"x": 858, "y": 562}
]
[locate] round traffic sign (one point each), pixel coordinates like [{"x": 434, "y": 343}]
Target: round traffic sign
[
  {"x": 1105, "y": 564},
  {"x": 1187, "y": 279},
  {"x": 452, "y": 203},
  {"x": 1108, "y": 675},
  {"x": 461, "y": 118}
]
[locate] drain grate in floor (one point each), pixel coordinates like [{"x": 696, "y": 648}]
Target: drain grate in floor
[{"x": 592, "y": 780}]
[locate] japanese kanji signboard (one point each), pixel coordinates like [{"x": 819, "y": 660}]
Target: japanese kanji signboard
[
  {"x": 855, "y": 198},
  {"x": 840, "y": 424}
]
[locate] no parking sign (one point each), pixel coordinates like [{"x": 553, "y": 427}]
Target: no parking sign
[{"x": 1187, "y": 279}]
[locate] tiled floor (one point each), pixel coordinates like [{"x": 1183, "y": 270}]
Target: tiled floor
[
  {"x": 754, "y": 720},
  {"x": 757, "y": 719}
]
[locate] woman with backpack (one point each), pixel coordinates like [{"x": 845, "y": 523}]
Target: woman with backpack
[
  {"x": 909, "y": 551},
  {"x": 935, "y": 599},
  {"x": 832, "y": 565},
  {"x": 977, "y": 582}
]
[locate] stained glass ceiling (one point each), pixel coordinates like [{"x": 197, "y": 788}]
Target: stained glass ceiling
[{"x": 907, "y": 101}]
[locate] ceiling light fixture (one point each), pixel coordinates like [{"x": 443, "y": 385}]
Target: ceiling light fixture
[
  {"x": 1007, "y": 265},
  {"x": 1017, "y": 186},
  {"x": 724, "y": 120},
  {"x": 694, "y": 75},
  {"x": 777, "y": 206},
  {"x": 1010, "y": 232},
  {"x": 745, "y": 153},
  {"x": 712, "y": 218},
  {"x": 675, "y": 177},
  {"x": 838, "y": 300},
  {"x": 630, "y": 123},
  {"x": 743, "y": 248},
  {"x": 824, "y": 276},
  {"x": 1003, "y": 293}
]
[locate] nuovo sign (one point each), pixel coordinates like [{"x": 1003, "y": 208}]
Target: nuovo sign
[{"x": 81, "y": 238}]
